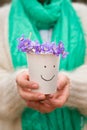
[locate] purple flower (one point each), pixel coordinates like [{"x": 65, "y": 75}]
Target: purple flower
[
  {"x": 26, "y": 45},
  {"x": 45, "y": 47},
  {"x": 23, "y": 44},
  {"x": 64, "y": 54},
  {"x": 61, "y": 47}
]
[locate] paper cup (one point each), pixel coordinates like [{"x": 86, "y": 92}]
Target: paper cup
[{"x": 43, "y": 69}]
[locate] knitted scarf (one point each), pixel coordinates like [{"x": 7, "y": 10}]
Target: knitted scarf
[{"x": 31, "y": 16}]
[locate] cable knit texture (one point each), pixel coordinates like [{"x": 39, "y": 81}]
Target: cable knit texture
[{"x": 11, "y": 104}]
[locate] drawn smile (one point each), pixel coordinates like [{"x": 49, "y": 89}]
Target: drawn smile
[{"x": 47, "y": 79}]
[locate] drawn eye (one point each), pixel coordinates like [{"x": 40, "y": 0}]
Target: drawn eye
[
  {"x": 44, "y": 66},
  {"x": 54, "y": 66}
]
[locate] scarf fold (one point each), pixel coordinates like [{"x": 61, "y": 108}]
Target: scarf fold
[
  {"x": 45, "y": 16},
  {"x": 31, "y": 16}
]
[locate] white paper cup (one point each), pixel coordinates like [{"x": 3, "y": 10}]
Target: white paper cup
[{"x": 43, "y": 69}]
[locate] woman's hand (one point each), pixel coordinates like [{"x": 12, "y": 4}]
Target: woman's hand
[
  {"x": 41, "y": 102},
  {"x": 59, "y": 98},
  {"x": 25, "y": 87},
  {"x": 56, "y": 100},
  {"x": 33, "y": 99}
]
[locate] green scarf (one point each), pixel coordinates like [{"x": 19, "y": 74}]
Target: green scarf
[{"x": 31, "y": 16}]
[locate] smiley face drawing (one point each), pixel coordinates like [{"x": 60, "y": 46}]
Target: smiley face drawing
[
  {"x": 43, "y": 78},
  {"x": 43, "y": 69}
]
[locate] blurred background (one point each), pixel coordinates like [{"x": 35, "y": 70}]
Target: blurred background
[{"x": 2, "y": 2}]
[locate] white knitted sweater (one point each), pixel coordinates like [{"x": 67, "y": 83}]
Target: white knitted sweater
[{"x": 11, "y": 104}]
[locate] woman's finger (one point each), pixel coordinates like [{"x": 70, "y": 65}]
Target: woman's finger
[
  {"x": 42, "y": 107},
  {"x": 59, "y": 99},
  {"x": 31, "y": 95},
  {"x": 22, "y": 80},
  {"x": 62, "y": 81},
  {"x": 28, "y": 84}
]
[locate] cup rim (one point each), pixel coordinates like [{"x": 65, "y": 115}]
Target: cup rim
[{"x": 43, "y": 54}]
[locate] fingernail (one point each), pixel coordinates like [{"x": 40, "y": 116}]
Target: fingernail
[
  {"x": 51, "y": 95},
  {"x": 41, "y": 97},
  {"x": 35, "y": 86}
]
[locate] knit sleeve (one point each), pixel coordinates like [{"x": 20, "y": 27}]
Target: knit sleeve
[
  {"x": 11, "y": 104},
  {"x": 78, "y": 89},
  {"x": 78, "y": 78}
]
